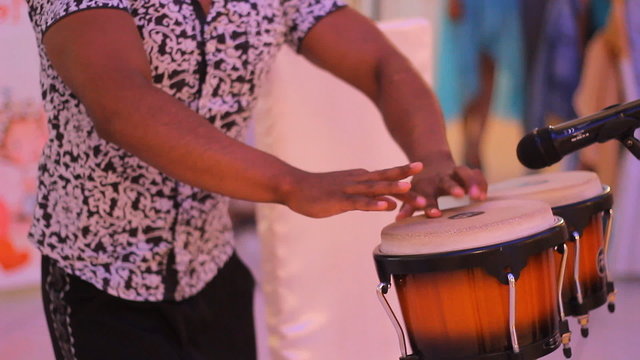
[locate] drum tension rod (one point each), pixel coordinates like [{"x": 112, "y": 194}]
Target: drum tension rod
[
  {"x": 382, "y": 290},
  {"x": 583, "y": 320},
  {"x": 607, "y": 217},
  {"x": 512, "y": 313},
  {"x": 565, "y": 333},
  {"x": 576, "y": 268},
  {"x": 611, "y": 297}
]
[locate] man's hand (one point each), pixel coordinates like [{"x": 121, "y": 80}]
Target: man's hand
[
  {"x": 441, "y": 177},
  {"x": 325, "y": 194}
]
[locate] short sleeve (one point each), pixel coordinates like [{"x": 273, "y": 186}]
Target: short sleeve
[
  {"x": 302, "y": 15},
  {"x": 45, "y": 13}
]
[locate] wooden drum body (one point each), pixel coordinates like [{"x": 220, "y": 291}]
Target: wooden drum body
[
  {"x": 585, "y": 205},
  {"x": 492, "y": 295},
  {"x": 586, "y": 284}
]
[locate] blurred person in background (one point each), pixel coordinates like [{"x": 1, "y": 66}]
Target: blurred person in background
[
  {"x": 22, "y": 136},
  {"x": 480, "y": 68}
]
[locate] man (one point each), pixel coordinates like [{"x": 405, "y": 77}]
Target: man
[{"x": 146, "y": 100}]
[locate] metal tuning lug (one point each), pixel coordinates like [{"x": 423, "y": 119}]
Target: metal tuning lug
[
  {"x": 565, "y": 339},
  {"x": 512, "y": 313},
  {"x": 382, "y": 290},
  {"x": 611, "y": 299},
  {"x": 576, "y": 268},
  {"x": 565, "y": 333},
  {"x": 607, "y": 217},
  {"x": 583, "y": 320}
]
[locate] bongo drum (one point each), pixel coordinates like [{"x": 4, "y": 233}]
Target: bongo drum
[
  {"x": 480, "y": 282},
  {"x": 585, "y": 205}
]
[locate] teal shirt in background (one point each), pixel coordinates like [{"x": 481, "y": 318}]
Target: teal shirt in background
[{"x": 487, "y": 26}]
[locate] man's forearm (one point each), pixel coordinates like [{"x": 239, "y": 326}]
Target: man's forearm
[
  {"x": 410, "y": 109},
  {"x": 172, "y": 138},
  {"x": 352, "y": 47}
]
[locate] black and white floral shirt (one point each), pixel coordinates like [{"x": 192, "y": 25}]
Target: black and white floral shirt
[{"x": 104, "y": 214}]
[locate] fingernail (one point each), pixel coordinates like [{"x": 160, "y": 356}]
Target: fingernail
[
  {"x": 382, "y": 204},
  {"x": 434, "y": 212},
  {"x": 415, "y": 165},
  {"x": 404, "y": 186},
  {"x": 474, "y": 191},
  {"x": 421, "y": 201}
]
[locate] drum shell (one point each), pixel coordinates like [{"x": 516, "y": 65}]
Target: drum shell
[
  {"x": 591, "y": 274},
  {"x": 464, "y": 313},
  {"x": 583, "y": 217}
]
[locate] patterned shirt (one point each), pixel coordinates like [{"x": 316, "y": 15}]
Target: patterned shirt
[{"x": 108, "y": 217}]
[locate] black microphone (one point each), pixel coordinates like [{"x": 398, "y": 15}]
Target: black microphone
[{"x": 546, "y": 146}]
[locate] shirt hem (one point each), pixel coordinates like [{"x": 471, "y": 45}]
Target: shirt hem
[{"x": 159, "y": 297}]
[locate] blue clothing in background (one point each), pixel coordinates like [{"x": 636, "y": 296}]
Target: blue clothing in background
[
  {"x": 558, "y": 64},
  {"x": 492, "y": 27}
]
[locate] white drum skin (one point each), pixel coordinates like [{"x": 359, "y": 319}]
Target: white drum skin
[
  {"x": 476, "y": 225},
  {"x": 556, "y": 189}
]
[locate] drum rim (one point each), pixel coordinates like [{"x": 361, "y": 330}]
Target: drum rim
[
  {"x": 550, "y": 177},
  {"x": 494, "y": 258},
  {"x": 578, "y": 214}
]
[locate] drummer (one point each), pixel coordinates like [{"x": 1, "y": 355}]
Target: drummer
[{"x": 134, "y": 182}]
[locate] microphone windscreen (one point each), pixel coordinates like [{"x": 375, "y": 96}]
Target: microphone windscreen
[{"x": 535, "y": 150}]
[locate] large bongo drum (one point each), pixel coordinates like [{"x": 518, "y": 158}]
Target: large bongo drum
[
  {"x": 585, "y": 205},
  {"x": 480, "y": 282}
]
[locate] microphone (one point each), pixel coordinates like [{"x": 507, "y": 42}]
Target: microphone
[{"x": 546, "y": 146}]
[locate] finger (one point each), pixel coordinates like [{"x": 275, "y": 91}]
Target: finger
[
  {"x": 391, "y": 204},
  {"x": 376, "y": 188},
  {"x": 406, "y": 210},
  {"x": 413, "y": 199},
  {"x": 431, "y": 209},
  {"x": 473, "y": 181},
  {"x": 395, "y": 173},
  {"x": 451, "y": 187},
  {"x": 365, "y": 203}
]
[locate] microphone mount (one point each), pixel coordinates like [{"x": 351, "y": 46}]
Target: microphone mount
[
  {"x": 631, "y": 143},
  {"x": 627, "y": 137}
]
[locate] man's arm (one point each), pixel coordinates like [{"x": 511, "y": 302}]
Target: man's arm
[
  {"x": 352, "y": 48},
  {"x": 99, "y": 55}
]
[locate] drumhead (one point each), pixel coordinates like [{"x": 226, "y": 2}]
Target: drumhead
[
  {"x": 556, "y": 189},
  {"x": 468, "y": 227}
]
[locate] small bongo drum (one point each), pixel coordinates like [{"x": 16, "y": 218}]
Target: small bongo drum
[
  {"x": 480, "y": 282},
  {"x": 585, "y": 205}
]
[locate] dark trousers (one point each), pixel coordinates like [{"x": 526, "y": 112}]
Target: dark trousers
[{"x": 87, "y": 323}]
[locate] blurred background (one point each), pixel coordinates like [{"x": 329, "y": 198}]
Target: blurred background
[{"x": 500, "y": 68}]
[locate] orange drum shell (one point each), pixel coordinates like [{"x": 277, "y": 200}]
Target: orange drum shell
[
  {"x": 593, "y": 281},
  {"x": 464, "y": 313}
]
